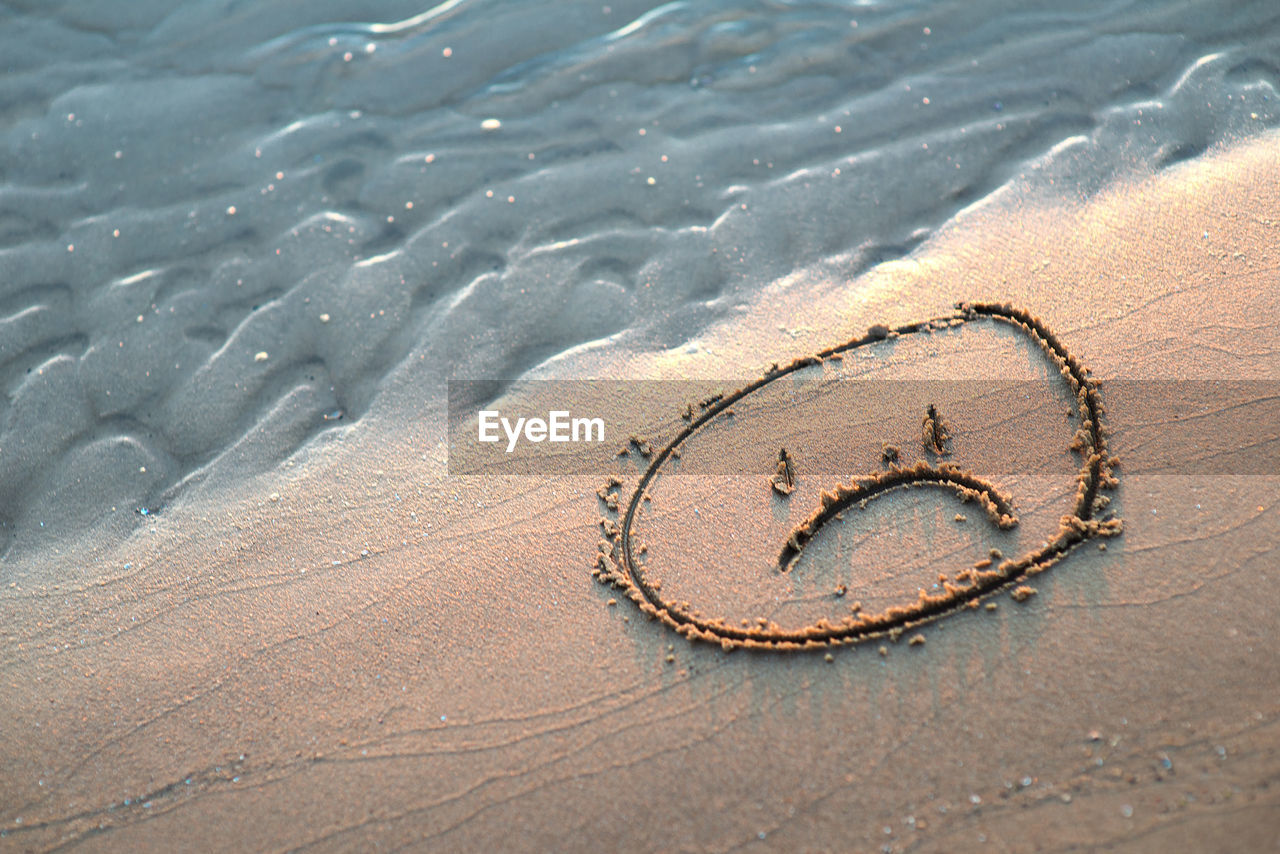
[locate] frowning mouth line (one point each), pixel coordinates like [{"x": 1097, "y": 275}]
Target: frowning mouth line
[
  {"x": 967, "y": 485},
  {"x": 618, "y": 565}
]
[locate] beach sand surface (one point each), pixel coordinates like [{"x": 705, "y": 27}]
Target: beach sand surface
[{"x": 357, "y": 651}]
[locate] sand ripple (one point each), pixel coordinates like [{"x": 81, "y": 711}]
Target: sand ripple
[{"x": 222, "y": 231}]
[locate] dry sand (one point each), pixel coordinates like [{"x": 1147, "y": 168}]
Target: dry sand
[{"x": 359, "y": 652}]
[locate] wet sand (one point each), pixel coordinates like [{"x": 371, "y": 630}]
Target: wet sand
[{"x": 357, "y": 651}]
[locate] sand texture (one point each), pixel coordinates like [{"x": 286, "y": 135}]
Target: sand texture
[
  {"x": 373, "y": 654},
  {"x": 246, "y": 605}
]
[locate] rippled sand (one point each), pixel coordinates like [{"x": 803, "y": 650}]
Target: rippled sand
[{"x": 245, "y": 604}]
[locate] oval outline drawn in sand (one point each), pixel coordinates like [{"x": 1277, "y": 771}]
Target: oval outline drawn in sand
[{"x": 617, "y": 565}]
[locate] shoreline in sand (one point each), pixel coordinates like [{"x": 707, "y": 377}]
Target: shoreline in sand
[{"x": 360, "y": 650}]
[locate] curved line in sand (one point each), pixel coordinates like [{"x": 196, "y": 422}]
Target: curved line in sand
[
  {"x": 967, "y": 485},
  {"x": 620, "y": 568}
]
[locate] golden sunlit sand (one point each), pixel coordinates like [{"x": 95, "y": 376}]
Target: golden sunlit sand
[{"x": 361, "y": 652}]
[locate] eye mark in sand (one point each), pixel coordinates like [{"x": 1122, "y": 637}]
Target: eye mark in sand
[
  {"x": 784, "y": 479},
  {"x": 617, "y": 562},
  {"x": 935, "y": 432}
]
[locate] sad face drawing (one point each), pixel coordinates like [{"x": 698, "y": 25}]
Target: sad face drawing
[{"x": 826, "y": 480}]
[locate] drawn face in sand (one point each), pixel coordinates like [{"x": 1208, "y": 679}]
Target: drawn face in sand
[{"x": 837, "y": 515}]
